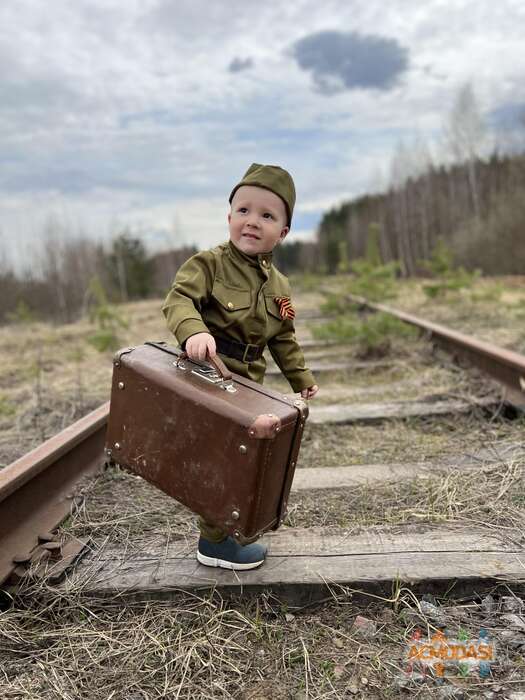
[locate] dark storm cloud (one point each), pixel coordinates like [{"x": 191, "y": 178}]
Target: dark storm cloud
[
  {"x": 239, "y": 64},
  {"x": 344, "y": 61}
]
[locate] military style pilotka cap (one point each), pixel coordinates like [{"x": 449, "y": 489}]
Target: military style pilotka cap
[{"x": 272, "y": 178}]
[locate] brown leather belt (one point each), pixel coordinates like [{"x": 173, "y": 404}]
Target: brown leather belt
[{"x": 245, "y": 352}]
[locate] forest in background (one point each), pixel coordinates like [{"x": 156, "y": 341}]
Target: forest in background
[
  {"x": 74, "y": 276},
  {"x": 474, "y": 207},
  {"x": 469, "y": 199}
]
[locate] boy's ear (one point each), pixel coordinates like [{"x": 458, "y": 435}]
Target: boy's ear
[
  {"x": 229, "y": 217},
  {"x": 284, "y": 233}
]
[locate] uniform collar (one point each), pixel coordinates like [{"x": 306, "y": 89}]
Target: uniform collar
[{"x": 262, "y": 260}]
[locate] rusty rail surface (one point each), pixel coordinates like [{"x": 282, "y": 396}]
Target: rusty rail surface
[
  {"x": 36, "y": 491},
  {"x": 505, "y": 366}
]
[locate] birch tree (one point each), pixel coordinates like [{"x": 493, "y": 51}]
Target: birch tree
[{"x": 466, "y": 135}]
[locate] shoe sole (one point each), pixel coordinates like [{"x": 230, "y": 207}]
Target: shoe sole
[{"x": 224, "y": 564}]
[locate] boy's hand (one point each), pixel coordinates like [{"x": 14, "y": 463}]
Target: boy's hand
[
  {"x": 198, "y": 346},
  {"x": 310, "y": 392}
]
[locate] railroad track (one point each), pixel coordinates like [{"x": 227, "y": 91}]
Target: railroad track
[
  {"x": 36, "y": 494},
  {"x": 503, "y": 365}
]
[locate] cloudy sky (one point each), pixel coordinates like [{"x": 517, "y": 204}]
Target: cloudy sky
[{"x": 145, "y": 113}]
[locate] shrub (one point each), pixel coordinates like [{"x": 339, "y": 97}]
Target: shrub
[
  {"x": 372, "y": 335},
  {"x": 21, "y": 314},
  {"x": 448, "y": 278},
  {"x": 107, "y": 319},
  {"x": 374, "y": 282}
]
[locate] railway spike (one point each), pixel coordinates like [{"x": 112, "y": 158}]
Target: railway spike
[
  {"x": 53, "y": 547},
  {"x": 22, "y": 558},
  {"x": 46, "y": 537}
]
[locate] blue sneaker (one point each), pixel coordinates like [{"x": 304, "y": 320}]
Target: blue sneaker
[{"x": 229, "y": 554}]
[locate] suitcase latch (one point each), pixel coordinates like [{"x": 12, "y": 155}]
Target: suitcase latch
[{"x": 209, "y": 374}]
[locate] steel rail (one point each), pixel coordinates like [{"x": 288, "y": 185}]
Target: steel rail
[
  {"x": 36, "y": 491},
  {"x": 505, "y": 366}
]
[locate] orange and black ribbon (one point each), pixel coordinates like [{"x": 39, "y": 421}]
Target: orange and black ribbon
[{"x": 285, "y": 307}]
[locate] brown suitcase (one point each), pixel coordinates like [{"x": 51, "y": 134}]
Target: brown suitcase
[{"x": 221, "y": 444}]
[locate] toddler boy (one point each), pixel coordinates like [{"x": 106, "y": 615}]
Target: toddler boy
[{"x": 231, "y": 300}]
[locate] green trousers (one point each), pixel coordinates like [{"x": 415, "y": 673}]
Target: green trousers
[{"x": 211, "y": 532}]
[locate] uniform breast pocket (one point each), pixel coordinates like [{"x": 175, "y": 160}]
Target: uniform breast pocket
[
  {"x": 231, "y": 299},
  {"x": 272, "y": 307}
]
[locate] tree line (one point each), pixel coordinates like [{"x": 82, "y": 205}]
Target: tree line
[
  {"x": 474, "y": 205},
  {"x": 60, "y": 287},
  {"x": 480, "y": 219}
]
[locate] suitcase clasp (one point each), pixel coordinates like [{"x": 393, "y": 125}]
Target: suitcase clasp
[{"x": 209, "y": 374}]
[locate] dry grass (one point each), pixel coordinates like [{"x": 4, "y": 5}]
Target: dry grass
[
  {"x": 402, "y": 441},
  {"x": 189, "y": 648},
  {"x": 492, "y": 496},
  {"x": 492, "y": 310},
  {"x": 50, "y": 375},
  {"x": 419, "y": 377},
  {"x": 55, "y": 646},
  {"x": 122, "y": 507}
]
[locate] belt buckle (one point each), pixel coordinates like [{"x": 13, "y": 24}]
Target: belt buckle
[{"x": 245, "y": 353}]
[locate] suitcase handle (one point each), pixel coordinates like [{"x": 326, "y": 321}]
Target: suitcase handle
[{"x": 217, "y": 364}]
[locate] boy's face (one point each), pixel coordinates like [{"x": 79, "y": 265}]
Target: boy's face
[{"x": 257, "y": 220}]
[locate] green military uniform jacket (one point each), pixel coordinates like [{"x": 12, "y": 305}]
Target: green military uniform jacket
[{"x": 227, "y": 293}]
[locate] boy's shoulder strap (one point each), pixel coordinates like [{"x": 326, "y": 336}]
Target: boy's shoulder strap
[
  {"x": 280, "y": 282},
  {"x": 218, "y": 252}
]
